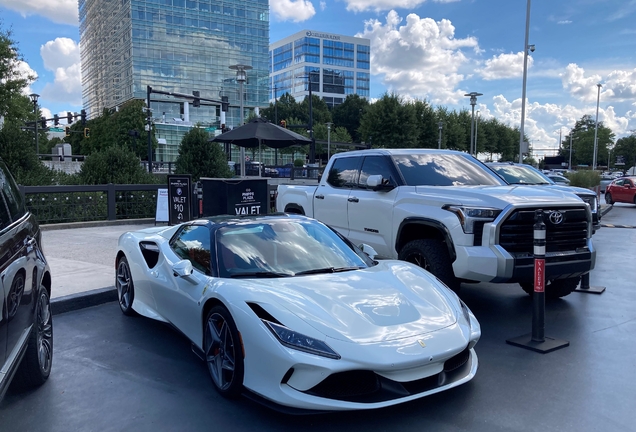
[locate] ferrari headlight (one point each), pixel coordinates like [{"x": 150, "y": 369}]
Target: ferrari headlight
[
  {"x": 301, "y": 342},
  {"x": 469, "y": 215},
  {"x": 465, "y": 312}
]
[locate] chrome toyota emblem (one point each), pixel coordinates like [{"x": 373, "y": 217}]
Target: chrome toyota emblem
[{"x": 556, "y": 217}]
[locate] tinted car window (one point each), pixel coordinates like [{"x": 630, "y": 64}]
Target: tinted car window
[
  {"x": 282, "y": 248},
  {"x": 11, "y": 193},
  {"x": 193, "y": 243},
  {"x": 343, "y": 172},
  {"x": 444, "y": 170},
  {"x": 376, "y": 165}
]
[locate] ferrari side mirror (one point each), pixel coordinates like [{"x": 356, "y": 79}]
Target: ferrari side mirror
[
  {"x": 183, "y": 269},
  {"x": 371, "y": 253}
]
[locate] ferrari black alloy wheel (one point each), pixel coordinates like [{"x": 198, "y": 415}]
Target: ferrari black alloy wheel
[
  {"x": 223, "y": 352},
  {"x": 125, "y": 287}
]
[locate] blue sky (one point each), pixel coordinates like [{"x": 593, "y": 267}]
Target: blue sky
[{"x": 433, "y": 50}]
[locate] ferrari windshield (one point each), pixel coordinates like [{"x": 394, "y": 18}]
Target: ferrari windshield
[
  {"x": 447, "y": 169},
  {"x": 283, "y": 248},
  {"x": 517, "y": 174}
]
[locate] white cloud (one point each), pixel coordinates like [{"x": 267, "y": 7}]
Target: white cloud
[
  {"x": 58, "y": 11},
  {"x": 504, "y": 66},
  {"x": 62, "y": 57},
  {"x": 420, "y": 58},
  {"x": 384, "y": 5},
  {"x": 564, "y": 22},
  {"x": 292, "y": 10},
  {"x": 323, "y": 5},
  {"x": 543, "y": 121},
  {"x": 25, "y": 71},
  {"x": 618, "y": 85}
]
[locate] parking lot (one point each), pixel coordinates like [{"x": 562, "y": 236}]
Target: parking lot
[{"x": 113, "y": 373}]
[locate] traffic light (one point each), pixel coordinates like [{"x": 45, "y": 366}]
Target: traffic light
[
  {"x": 196, "y": 102},
  {"x": 67, "y": 129},
  {"x": 225, "y": 104},
  {"x": 42, "y": 122},
  {"x": 69, "y": 117},
  {"x": 56, "y": 119},
  {"x": 87, "y": 133},
  {"x": 283, "y": 123},
  {"x": 83, "y": 117}
]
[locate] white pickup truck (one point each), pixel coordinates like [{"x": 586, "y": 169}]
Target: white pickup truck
[{"x": 447, "y": 212}]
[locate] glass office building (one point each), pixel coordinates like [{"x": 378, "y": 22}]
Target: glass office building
[
  {"x": 177, "y": 46},
  {"x": 336, "y": 65}
]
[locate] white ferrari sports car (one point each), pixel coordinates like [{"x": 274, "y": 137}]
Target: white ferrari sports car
[{"x": 287, "y": 311}]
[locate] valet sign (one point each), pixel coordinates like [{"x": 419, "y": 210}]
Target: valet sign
[
  {"x": 179, "y": 199},
  {"x": 247, "y": 203}
]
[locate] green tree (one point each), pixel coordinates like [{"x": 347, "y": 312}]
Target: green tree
[
  {"x": 286, "y": 108},
  {"x": 201, "y": 158},
  {"x": 115, "y": 164},
  {"x": 12, "y": 80},
  {"x": 583, "y": 142},
  {"x": 626, "y": 147},
  {"x": 426, "y": 123},
  {"x": 389, "y": 123},
  {"x": 319, "y": 108},
  {"x": 17, "y": 150},
  {"x": 349, "y": 113}
]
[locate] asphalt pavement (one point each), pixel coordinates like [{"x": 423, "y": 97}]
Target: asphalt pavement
[{"x": 115, "y": 373}]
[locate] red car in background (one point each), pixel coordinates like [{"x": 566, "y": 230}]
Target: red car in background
[{"x": 621, "y": 190}]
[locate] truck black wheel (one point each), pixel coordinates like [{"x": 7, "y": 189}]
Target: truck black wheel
[
  {"x": 431, "y": 255},
  {"x": 555, "y": 288}
]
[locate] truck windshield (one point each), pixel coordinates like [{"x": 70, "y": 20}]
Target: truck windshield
[
  {"x": 515, "y": 174},
  {"x": 444, "y": 170}
]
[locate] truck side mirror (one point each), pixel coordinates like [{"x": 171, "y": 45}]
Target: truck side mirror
[{"x": 377, "y": 183}]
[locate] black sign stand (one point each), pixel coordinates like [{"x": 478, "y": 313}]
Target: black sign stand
[
  {"x": 179, "y": 198},
  {"x": 584, "y": 286},
  {"x": 537, "y": 340}
]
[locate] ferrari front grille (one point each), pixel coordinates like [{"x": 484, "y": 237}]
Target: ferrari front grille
[{"x": 457, "y": 361}]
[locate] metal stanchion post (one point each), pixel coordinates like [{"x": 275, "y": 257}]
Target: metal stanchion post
[
  {"x": 537, "y": 341},
  {"x": 585, "y": 287}
]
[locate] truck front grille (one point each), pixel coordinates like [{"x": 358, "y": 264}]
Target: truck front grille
[{"x": 516, "y": 232}]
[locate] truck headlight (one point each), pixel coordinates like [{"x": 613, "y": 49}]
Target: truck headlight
[
  {"x": 591, "y": 201},
  {"x": 469, "y": 215}
]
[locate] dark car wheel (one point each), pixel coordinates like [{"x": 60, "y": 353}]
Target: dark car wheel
[
  {"x": 38, "y": 359},
  {"x": 223, "y": 352},
  {"x": 431, "y": 255},
  {"x": 125, "y": 287},
  {"x": 555, "y": 288},
  {"x": 608, "y": 198}
]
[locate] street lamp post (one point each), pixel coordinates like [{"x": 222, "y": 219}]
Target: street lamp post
[
  {"x": 476, "y": 124},
  {"x": 473, "y": 102},
  {"x": 440, "y": 125},
  {"x": 598, "y": 99},
  {"x": 526, "y": 47},
  {"x": 241, "y": 77},
  {"x": 329, "y": 140},
  {"x": 312, "y": 145},
  {"x": 34, "y": 98}
]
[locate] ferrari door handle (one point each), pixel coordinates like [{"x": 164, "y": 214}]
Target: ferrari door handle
[
  {"x": 319, "y": 197},
  {"x": 353, "y": 199}
]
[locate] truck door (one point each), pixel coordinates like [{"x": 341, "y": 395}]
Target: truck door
[
  {"x": 331, "y": 197},
  {"x": 370, "y": 215}
]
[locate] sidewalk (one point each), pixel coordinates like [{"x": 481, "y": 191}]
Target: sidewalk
[{"x": 82, "y": 261}]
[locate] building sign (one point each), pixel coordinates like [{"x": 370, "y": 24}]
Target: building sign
[
  {"x": 323, "y": 35},
  {"x": 179, "y": 198}
]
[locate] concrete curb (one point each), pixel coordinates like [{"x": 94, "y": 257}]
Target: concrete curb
[
  {"x": 93, "y": 224},
  {"x": 605, "y": 209},
  {"x": 83, "y": 300}
]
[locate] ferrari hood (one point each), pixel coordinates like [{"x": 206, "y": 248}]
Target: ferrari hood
[{"x": 389, "y": 301}]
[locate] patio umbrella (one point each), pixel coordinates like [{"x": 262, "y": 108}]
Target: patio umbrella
[{"x": 260, "y": 131}]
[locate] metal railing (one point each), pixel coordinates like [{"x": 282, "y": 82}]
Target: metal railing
[
  {"x": 57, "y": 204},
  {"x": 76, "y": 203}
]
